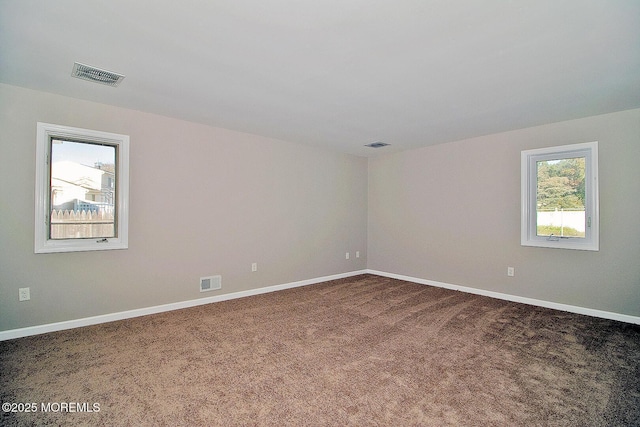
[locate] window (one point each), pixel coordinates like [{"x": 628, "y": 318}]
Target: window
[
  {"x": 560, "y": 197},
  {"x": 82, "y": 190}
]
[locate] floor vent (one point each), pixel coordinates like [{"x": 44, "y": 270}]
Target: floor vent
[
  {"x": 210, "y": 283},
  {"x": 96, "y": 75}
]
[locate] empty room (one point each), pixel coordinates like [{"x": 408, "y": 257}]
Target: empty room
[{"x": 329, "y": 213}]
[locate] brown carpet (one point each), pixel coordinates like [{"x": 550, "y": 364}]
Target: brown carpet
[{"x": 363, "y": 351}]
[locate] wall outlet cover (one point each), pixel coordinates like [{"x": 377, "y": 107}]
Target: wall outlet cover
[{"x": 24, "y": 294}]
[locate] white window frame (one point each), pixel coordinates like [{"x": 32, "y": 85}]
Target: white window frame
[
  {"x": 528, "y": 227},
  {"x": 43, "y": 244}
]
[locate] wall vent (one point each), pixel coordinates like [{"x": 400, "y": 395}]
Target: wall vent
[
  {"x": 210, "y": 283},
  {"x": 96, "y": 75},
  {"x": 377, "y": 144}
]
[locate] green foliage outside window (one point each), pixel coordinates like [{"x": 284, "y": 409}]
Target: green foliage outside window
[{"x": 561, "y": 184}]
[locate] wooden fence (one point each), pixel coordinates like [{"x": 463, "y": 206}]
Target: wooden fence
[{"x": 81, "y": 224}]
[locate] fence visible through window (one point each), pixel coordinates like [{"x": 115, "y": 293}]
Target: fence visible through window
[
  {"x": 561, "y": 222},
  {"x": 85, "y": 224}
]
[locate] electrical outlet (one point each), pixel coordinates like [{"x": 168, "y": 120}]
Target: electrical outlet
[
  {"x": 511, "y": 271},
  {"x": 357, "y": 254},
  {"x": 254, "y": 266},
  {"x": 24, "y": 294},
  {"x": 347, "y": 255}
]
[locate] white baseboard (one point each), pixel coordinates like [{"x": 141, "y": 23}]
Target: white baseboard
[
  {"x": 531, "y": 301},
  {"x": 94, "y": 320}
]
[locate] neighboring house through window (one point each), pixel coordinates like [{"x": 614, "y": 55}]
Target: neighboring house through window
[{"x": 81, "y": 189}]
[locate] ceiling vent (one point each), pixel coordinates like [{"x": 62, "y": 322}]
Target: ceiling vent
[
  {"x": 377, "y": 144},
  {"x": 96, "y": 75}
]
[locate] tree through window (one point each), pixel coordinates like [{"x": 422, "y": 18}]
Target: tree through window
[{"x": 560, "y": 197}]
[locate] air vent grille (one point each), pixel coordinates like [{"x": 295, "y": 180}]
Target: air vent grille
[
  {"x": 210, "y": 283},
  {"x": 377, "y": 144},
  {"x": 96, "y": 75}
]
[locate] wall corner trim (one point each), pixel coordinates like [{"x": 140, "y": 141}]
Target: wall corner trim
[
  {"x": 514, "y": 298},
  {"x": 111, "y": 317}
]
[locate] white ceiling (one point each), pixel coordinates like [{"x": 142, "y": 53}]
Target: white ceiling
[{"x": 336, "y": 73}]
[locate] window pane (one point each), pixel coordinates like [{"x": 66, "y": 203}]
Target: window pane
[
  {"x": 560, "y": 197},
  {"x": 83, "y": 191}
]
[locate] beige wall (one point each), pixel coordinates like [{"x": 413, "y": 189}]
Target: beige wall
[
  {"x": 451, "y": 213},
  {"x": 204, "y": 201}
]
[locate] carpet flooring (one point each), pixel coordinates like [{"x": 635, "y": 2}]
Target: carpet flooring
[{"x": 365, "y": 351}]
